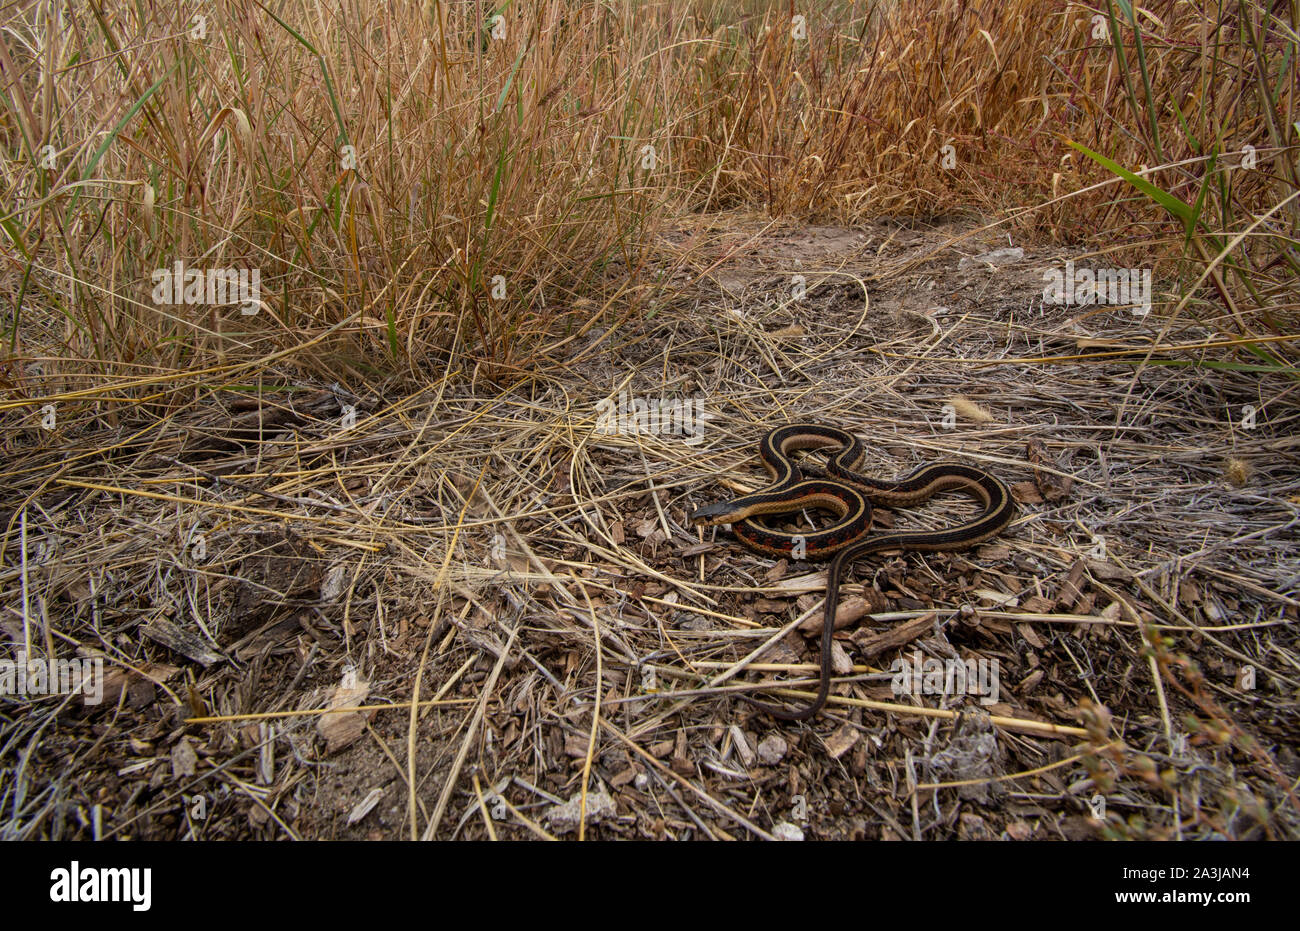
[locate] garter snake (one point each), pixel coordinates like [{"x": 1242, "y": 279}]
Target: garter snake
[{"x": 849, "y": 494}]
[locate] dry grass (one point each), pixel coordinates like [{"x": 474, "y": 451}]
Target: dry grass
[
  {"x": 382, "y": 167},
  {"x": 392, "y": 470}
]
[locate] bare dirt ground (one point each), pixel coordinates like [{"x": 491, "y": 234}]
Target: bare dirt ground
[{"x": 493, "y": 555}]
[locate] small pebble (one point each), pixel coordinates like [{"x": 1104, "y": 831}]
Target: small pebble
[
  {"x": 772, "y": 750},
  {"x": 786, "y": 831}
]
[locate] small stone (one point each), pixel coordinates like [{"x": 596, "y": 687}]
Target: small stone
[
  {"x": 973, "y": 827},
  {"x": 1020, "y": 830},
  {"x": 184, "y": 759},
  {"x": 994, "y": 258},
  {"x": 786, "y": 831},
  {"x": 771, "y": 750},
  {"x": 563, "y": 819},
  {"x": 332, "y": 587}
]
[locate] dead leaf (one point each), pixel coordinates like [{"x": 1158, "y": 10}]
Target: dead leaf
[
  {"x": 1052, "y": 486},
  {"x": 1026, "y": 493}
]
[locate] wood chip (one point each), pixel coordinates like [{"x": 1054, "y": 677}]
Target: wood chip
[
  {"x": 365, "y": 806},
  {"x": 1070, "y": 589},
  {"x": 1036, "y": 604},
  {"x": 842, "y": 741},
  {"x": 778, "y": 571},
  {"x": 1108, "y": 572},
  {"x": 1020, "y": 830},
  {"x": 849, "y": 611},
  {"x": 332, "y": 587},
  {"x": 871, "y": 644},
  {"x": 695, "y": 549},
  {"x": 780, "y": 652},
  {"x": 620, "y": 779},
  {"x": 1030, "y": 682},
  {"x": 342, "y": 728},
  {"x": 179, "y": 640},
  {"x": 116, "y": 680},
  {"x": 741, "y": 743},
  {"x": 797, "y": 585},
  {"x": 1031, "y": 636},
  {"x": 1002, "y": 599}
]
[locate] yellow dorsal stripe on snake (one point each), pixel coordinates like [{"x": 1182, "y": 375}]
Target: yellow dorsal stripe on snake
[{"x": 850, "y": 495}]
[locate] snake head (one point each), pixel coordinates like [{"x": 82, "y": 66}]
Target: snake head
[{"x": 719, "y": 513}]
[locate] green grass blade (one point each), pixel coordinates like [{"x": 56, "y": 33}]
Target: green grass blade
[
  {"x": 496, "y": 185},
  {"x": 112, "y": 134},
  {"x": 510, "y": 81},
  {"x": 15, "y": 236},
  {"x": 1178, "y": 208},
  {"x": 1198, "y": 208}
]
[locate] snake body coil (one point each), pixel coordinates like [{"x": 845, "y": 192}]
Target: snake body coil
[{"x": 843, "y": 490}]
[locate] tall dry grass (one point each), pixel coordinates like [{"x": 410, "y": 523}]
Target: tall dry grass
[{"x": 382, "y": 164}]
